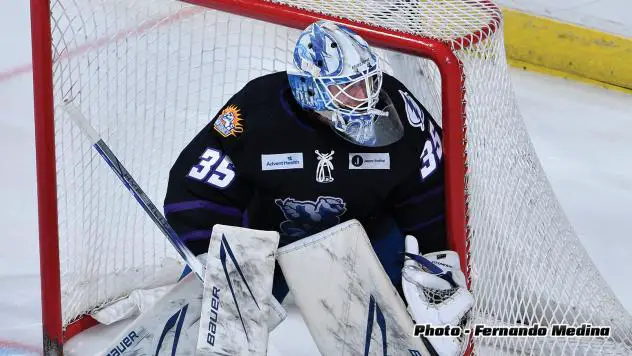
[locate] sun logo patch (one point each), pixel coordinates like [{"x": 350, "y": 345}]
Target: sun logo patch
[{"x": 228, "y": 123}]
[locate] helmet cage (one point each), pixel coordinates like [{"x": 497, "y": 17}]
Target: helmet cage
[{"x": 371, "y": 82}]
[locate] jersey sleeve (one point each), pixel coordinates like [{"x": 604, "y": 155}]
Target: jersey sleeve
[
  {"x": 205, "y": 185},
  {"x": 418, "y": 203}
]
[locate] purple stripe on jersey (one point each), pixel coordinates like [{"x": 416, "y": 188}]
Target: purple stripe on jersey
[
  {"x": 416, "y": 199},
  {"x": 423, "y": 224},
  {"x": 202, "y": 204},
  {"x": 196, "y": 235}
]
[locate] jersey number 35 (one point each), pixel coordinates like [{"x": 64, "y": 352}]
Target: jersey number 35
[
  {"x": 214, "y": 168},
  {"x": 431, "y": 154}
]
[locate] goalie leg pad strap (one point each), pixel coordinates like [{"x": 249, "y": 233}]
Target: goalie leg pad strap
[
  {"x": 348, "y": 302},
  {"x": 237, "y": 292}
]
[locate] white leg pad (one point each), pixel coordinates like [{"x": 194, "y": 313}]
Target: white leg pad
[
  {"x": 346, "y": 298},
  {"x": 237, "y": 292},
  {"x": 163, "y": 328}
]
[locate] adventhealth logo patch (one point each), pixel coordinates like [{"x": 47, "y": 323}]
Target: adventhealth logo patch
[
  {"x": 369, "y": 161},
  {"x": 282, "y": 161}
]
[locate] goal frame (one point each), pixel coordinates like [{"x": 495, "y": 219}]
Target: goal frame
[{"x": 442, "y": 53}]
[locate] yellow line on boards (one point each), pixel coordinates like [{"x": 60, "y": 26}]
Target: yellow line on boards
[{"x": 567, "y": 50}]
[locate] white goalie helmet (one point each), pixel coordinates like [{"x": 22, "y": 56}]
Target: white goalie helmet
[{"x": 338, "y": 75}]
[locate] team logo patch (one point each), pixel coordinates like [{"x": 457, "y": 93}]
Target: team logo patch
[
  {"x": 413, "y": 111},
  {"x": 324, "y": 168},
  {"x": 306, "y": 218},
  {"x": 369, "y": 161},
  {"x": 228, "y": 123},
  {"x": 282, "y": 161}
]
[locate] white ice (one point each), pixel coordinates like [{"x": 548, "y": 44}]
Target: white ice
[
  {"x": 583, "y": 135},
  {"x": 605, "y": 15}
]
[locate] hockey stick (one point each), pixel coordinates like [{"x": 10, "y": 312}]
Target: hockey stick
[
  {"x": 104, "y": 150},
  {"x": 278, "y": 312}
]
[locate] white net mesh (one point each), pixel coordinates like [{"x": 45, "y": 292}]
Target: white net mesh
[{"x": 150, "y": 74}]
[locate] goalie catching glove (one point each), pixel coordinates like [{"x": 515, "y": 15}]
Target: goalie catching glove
[{"x": 436, "y": 293}]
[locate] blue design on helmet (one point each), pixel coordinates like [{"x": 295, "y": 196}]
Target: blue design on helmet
[
  {"x": 337, "y": 74},
  {"x": 327, "y": 54}
]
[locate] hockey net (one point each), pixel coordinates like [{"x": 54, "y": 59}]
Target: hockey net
[{"x": 149, "y": 74}]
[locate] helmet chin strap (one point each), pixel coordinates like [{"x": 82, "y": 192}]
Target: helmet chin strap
[{"x": 378, "y": 112}]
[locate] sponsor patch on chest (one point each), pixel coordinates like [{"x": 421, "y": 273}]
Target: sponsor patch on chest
[
  {"x": 280, "y": 161},
  {"x": 369, "y": 161}
]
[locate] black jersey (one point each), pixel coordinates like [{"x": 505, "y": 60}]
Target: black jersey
[{"x": 265, "y": 163}]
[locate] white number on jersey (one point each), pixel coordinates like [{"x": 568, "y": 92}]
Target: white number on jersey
[
  {"x": 214, "y": 168},
  {"x": 431, "y": 153},
  {"x": 428, "y": 161},
  {"x": 436, "y": 140}
]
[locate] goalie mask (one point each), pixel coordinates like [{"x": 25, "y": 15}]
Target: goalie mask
[{"x": 337, "y": 75}]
